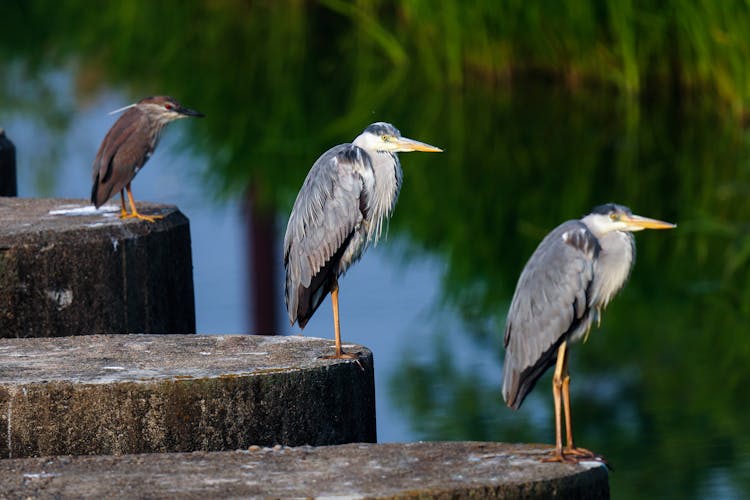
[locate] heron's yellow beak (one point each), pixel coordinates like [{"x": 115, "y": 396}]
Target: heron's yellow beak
[
  {"x": 405, "y": 145},
  {"x": 637, "y": 222}
]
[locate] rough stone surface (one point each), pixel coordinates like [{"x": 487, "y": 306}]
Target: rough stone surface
[
  {"x": 117, "y": 394},
  {"x": 412, "y": 470},
  {"x": 66, "y": 269}
]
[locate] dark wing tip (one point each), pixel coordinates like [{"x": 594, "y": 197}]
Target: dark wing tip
[{"x": 93, "y": 191}]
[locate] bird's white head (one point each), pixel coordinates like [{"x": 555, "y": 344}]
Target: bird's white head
[
  {"x": 612, "y": 217},
  {"x": 383, "y": 137}
]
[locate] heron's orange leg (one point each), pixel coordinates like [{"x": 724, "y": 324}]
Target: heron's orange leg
[
  {"x": 134, "y": 212},
  {"x": 557, "y": 455},
  {"x": 336, "y": 327},
  {"x": 570, "y": 449},
  {"x": 561, "y": 391},
  {"x": 566, "y": 405}
]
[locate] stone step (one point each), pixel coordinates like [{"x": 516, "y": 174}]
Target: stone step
[
  {"x": 403, "y": 470},
  {"x": 118, "y": 394},
  {"x": 67, "y": 269}
]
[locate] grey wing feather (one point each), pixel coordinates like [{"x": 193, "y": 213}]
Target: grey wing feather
[
  {"x": 550, "y": 302},
  {"x": 323, "y": 234},
  {"x": 126, "y": 147}
]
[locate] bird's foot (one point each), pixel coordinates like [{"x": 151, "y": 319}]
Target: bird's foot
[
  {"x": 343, "y": 355},
  {"x": 346, "y": 355},
  {"x": 582, "y": 453},
  {"x": 139, "y": 216},
  {"x": 576, "y": 455}
]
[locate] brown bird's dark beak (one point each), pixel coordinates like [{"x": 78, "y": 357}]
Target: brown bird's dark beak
[{"x": 189, "y": 112}]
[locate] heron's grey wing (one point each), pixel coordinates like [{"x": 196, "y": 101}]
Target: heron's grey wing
[
  {"x": 550, "y": 302},
  {"x": 126, "y": 147},
  {"x": 324, "y": 227}
]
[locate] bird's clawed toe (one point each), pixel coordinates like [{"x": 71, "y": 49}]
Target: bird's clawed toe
[
  {"x": 343, "y": 355},
  {"x": 581, "y": 453},
  {"x": 574, "y": 456},
  {"x": 347, "y": 355},
  {"x": 136, "y": 215}
]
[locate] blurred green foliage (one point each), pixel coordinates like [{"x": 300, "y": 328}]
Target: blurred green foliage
[
  {"x": 544, "y": 109},
  {"x": 315, "y": 71}
]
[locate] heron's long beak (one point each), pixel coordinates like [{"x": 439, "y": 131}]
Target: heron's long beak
[
  {"x": 636, "y": 222},
  {"x": 189, "y": 112},
  {"x": 404, "y": 145}
]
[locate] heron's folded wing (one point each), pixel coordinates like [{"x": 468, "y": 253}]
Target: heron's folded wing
[
  {"x": 549, "y": 303},
  {"x": 329, "y": 208}
]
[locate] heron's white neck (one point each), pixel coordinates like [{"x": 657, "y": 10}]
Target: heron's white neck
[
  {"x": 388, "y": 178},
  {"x": 616, "y": 259}
]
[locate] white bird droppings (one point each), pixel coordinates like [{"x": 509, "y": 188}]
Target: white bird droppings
[{"x": 73, "y": 210}]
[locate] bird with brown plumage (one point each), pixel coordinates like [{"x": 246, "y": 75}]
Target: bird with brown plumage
[{"x": 128, "y": 145}]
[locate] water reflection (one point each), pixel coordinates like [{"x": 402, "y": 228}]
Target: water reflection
[{"x": 660, "y": 389}]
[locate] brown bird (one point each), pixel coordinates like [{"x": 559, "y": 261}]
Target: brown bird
[{"x": 128, "y": 145}]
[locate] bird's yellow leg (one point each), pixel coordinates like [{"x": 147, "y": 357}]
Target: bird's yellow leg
[
  {"x": 566, "y": 405},
  {"x": 134, "y": 212},
  {"x": 123, "y": 212},
  {"x": 557, "y": 455},
  {"x": 570, "y": 450},
  {"x": 561, "y": 391},
  {"x": 336, "y": 324},
  {"x": 336, "y": 327}
]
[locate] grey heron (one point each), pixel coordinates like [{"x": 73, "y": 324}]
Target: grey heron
[
  {"x": 569, "y": 279},
  {"x": 350, "y": 191},
  {"x": 128, "y": 145}
]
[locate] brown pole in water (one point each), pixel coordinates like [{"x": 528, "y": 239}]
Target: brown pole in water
[{"x": 262, "y": 257}]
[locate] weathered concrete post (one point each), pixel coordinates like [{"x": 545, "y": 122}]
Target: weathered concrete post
[
  {"x": 455, "y": 470},
  {"x": 115, "y": 394},
  {"x": 8, "y": 184},
  {"x": 227, "y": 399},
  {"x": 66, "y": 269}
]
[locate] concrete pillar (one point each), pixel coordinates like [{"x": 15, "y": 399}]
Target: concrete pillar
[
  {"x": 68, "y": 270},
  {"x": 395, "y": 470},
  {"x": 117, "y": 394}
]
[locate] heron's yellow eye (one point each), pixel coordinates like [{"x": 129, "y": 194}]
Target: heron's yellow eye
[
  {"x": 614, "y": 216},
  {"x": 385, "y": 138}
]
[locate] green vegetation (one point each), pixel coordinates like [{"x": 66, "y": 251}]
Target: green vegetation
[
  {"x": 288, "y": 67},
  {"x": 698, "y": 46}
]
